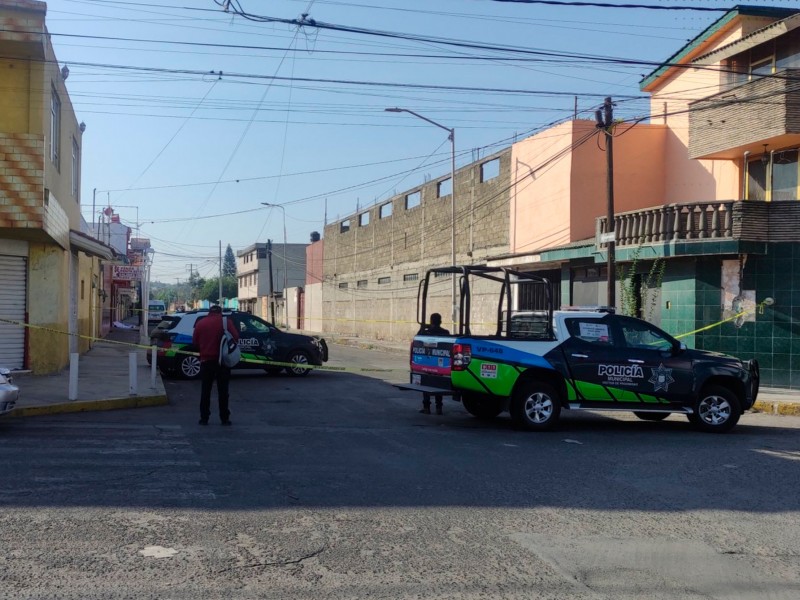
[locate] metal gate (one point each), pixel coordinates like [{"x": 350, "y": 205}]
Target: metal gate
[
  {"x": 13, "y": 295},
  {"x": 533, "y": 297}
]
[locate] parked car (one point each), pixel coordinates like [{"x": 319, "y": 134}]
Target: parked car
[
  {"x": 155, "y": 312},
  {"x": 9, "y": 393},
  {"x": 259, "y": 341}
]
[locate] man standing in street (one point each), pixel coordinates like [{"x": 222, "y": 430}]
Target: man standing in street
[
  {"x": 435, "y": 328},
  {"x": 207, "y": 338}
]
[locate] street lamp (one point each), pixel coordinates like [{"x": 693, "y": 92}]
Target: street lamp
[
  {"x": 285, "y": 299},
  {"x": 452, "y": 138}
]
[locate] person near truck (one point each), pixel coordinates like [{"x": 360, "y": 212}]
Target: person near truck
[
  {"x": 435, "y": 328},
  {"x": 207, "y": 337}
]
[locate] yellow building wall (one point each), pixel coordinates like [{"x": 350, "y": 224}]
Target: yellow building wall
[{"x": 48, "y": 308}]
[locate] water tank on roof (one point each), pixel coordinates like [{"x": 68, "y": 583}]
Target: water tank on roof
[{"x": 315, "y": 236}]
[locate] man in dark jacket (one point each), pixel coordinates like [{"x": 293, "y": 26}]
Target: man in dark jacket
[
  {"x": 435, "y": 328},
  {"x": 207, "y": 338}
]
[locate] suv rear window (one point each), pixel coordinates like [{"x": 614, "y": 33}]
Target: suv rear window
[{"x": 168, "y": 323}]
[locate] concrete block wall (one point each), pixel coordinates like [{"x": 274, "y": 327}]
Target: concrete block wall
[{"x": 408, "y": 243}]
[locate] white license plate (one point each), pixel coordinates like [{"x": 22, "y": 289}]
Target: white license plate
[{"x": 416, "y": 379}]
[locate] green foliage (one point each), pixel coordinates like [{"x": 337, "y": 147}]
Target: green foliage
[
  {"x": 229, "y": 263},
  {"x": 210, "y": 289},
  {"x": 635, "y": 287}
]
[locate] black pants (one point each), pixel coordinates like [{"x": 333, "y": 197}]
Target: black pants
[
  {"x": 209, "y": 371},
  {"x": 426, "y": 400}
]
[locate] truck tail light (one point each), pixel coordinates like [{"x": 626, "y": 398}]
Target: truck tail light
[{"x": 462, "y": 355}]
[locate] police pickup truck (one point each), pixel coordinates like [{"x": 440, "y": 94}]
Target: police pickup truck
[{"x": 538, "y": 363}]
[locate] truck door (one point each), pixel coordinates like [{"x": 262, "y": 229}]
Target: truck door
[
  {"x": 596, "y": 362},
  {"x": 667, "y": 376}
]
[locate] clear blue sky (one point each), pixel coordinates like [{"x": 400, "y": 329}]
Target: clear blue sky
[{"x": 181, "y": 146}]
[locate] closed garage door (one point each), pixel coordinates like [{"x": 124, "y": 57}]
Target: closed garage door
[{"x": 13, "y": 287}]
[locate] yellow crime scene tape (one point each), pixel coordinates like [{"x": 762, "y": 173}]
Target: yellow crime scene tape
[{"x": 272, "y": 363}]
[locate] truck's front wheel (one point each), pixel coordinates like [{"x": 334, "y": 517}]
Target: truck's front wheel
[
  {"x": 536, "y": 406},
  {"x": 482, "y": 406},
  {"x": 716, "y": 411}
]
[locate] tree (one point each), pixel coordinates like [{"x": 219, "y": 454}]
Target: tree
[
  {"x": 229, "y": 263},
  {"x": 210, "y": 290}
]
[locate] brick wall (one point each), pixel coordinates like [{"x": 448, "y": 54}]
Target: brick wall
[
  {"x": 759, "y": 110},
  {"x": 408, "y": 243}
]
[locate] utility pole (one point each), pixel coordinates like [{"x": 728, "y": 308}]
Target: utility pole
[
  {"x": 605, "y": 121},
  {"x": 271, "y": 289},
  {"x": 220, "y": 272}
]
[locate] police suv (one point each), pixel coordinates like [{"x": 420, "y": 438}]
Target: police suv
[{"x": 538, "y": 363}]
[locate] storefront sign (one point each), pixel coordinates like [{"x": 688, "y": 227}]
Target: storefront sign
[{"x": 126, "y": 273}]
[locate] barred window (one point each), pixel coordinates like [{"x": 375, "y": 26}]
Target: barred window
[
  {"x": 362, "y": 283},
  {"x": 410, "y": 276},
  {"x": 382, "y": 280},
  {"x": 343, "y": 285}
]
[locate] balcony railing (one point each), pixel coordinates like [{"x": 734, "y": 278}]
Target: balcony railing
[{"x": 671, "y": 222}]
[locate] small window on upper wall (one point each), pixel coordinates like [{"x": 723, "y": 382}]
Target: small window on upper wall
[
  {"x": 444, "y": 188},
  {"x": 344, "y": 226},
  {"x": 362, "y": 283},
  {"x": 261, "y": 253},
  {"x": 382, "y": 280},
  {"x": 413, "y": 200},
  {"x": 363, "y": 219},
  {"x": 385, "y": 210},
  {"x": 343, "y": 286},
  {"x": 410, "y": 276},
  {"x": 490, "y": 170}
]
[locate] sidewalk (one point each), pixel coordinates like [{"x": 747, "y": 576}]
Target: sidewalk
[
  {"x": 103, "y": 381},
  {"x": 775, "y": 401}
]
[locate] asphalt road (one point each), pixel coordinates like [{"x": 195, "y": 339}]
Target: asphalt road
[{"x": 333, "y": 486}]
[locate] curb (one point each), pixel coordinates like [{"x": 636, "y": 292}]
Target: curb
[
  {"x": 91, "y": 405},
  {"x": 777, "y": 407}
]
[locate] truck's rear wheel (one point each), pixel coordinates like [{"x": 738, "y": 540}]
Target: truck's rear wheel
[
  {"x": 536, "y": 406},
  {"x": 482, "y": 406}
]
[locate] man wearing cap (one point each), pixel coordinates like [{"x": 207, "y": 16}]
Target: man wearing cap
[{"x": 207, "y": 338}]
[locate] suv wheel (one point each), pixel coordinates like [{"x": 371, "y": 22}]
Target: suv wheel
[
  {"x": 190, "y": 367},
  {"x": 716, "y": 411},
  {"x": 536, "y": 406},
  {"x": 298, "y": 357},
  {"x": 482, "y": 406}
]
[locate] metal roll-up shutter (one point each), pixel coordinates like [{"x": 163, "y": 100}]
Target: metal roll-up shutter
[{"x": 13, "y": 293}]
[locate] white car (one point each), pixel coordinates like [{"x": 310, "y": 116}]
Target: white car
[{"x": 8, "y": 392}]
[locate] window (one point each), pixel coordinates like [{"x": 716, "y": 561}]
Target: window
[
  {"x": 82, "y": 281},
  {"x": 55, "y": 129},
  {"x": 490, "y": 170},
  {"x": 444, "y": 188},
  {"x": 756, "y": 180},
  {"x": 785, "y": 172},
  {"x": 249, "y": 325},
  {"x": 385, "y": 210},
  {"x": 362, "y": 283},
  {"x": 413, "y": 200},
  {"x": 76, "y": 171},
  {"x": 438, "y": 274},
  {"x": 383, "y": 280},
  {"x": 261, "y": 253},
  {"x": 343, "y": 285},
  {"x": 643, "y": 336},
  {"x": 363, "y": 219},
  {"x": 592, "y": 331},
  {"x": 344, "y": 226},
  {"x": 410, "y": 276}
]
